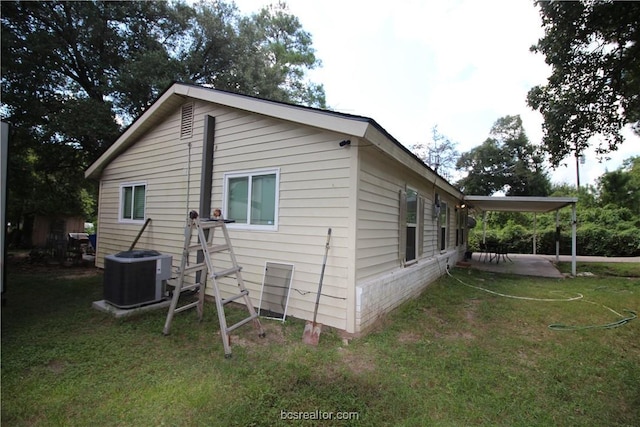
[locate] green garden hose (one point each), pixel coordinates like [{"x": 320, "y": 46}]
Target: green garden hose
[
  {"x": 623, "y": 321},
  {"x": 559, "y": 326}
]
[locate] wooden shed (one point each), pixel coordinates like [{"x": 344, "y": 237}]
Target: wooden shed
[
  {"x": 286, "y": 174},
  {"x": 48, "y": 228}
]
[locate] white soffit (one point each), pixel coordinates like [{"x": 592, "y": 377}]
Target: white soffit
[{"x": 518, "y": 203}]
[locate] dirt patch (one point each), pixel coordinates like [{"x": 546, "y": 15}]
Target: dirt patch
[
  {"x": 380, "y": 324},
  {"x": 81, "y": 272},
  {"x": 409, "y": 337},
  {"x": 358, "y": 363},
  {"x": 433, "y": 316},
  {"x": 247, "y": 336},
  {"x": 526, "y": 360},
  {"x": 465, "y": 335},
  {"x": 470, "y": 310},
  {"x": 21, "y": 263},
  {"x": 456, "y": 335},
  {"x": 57, "y": 366}
]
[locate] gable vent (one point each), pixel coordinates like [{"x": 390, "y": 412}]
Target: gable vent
[{"x": 186, "y": 122}]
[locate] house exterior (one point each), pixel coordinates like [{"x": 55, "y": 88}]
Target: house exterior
[{"x": 286, "y": 174}]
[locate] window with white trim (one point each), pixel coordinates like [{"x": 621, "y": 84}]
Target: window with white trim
[
  {"x": 461, "y": 220},
  {"x": 251, "y": 199},
  {"x": 444, "y": 226},
  {"x": 412, "y": 212},
  {"x": 132, "y": 202}
]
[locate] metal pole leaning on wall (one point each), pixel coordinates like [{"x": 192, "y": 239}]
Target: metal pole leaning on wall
[{"x": 140, "y": 234}]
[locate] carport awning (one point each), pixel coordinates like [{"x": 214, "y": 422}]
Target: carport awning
[
  {"x": 529, "y": 204},
  {"x": 518, "y": 203}
]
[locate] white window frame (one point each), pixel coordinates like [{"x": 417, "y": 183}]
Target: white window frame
[
  {"x": 121, "y": 219},
  {"x": 443, "y": 222},
  {"x": 251, "y": 173},
  {"x": 461, "y": 219},
  {"x": 413, "y": 225}
]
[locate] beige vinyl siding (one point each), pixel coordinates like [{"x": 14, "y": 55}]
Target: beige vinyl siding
[
  {"x": 313, "y": 196},
  {"x": 354, "y": 190},
  {"x": 378, "y": 208},
  {"x": 159, "y": 159},
  {"x": 430, "y": 231},
  {"x": 382, "y": 281},
  {"x": 451, "y": 223},
  {"x": 377, "y": 225}
]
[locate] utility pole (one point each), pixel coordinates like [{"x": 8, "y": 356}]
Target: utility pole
[
  {"x": 434, "y": 159},
  {"x": 580, "y": 160},
  {"x": 577, "y": 170}
]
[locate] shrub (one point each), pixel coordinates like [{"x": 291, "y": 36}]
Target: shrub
[
  {"x": 518, "y": 237},
  {"x": 593, "y": 239}
]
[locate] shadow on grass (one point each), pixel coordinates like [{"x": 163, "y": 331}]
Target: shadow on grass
[{"x": 452, "y": 356}]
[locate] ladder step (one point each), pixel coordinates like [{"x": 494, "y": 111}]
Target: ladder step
[
  {"x": 195, "y": 267},
  {"x": 212, "y": 249},
  {"x": 242, "y": 322},
  {"x": 194, "y": 229},
  {"x": 235, "y": 297},
  {"x": 211, "y": 224},
  {"x": 227, "y": 272},
  {"x": 187, "y": 287},
  {"x": 186, "y": 307}
]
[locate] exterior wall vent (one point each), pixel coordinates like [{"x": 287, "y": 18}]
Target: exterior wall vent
[{"x": 186, "y": 122}]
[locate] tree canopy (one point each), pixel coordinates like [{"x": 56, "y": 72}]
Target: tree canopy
[
  {"x": 440, "y": 153},
  {"x": 621, "y": 187},
  {"x": 608, "y": 219},
  {"x": 594, "y": 87},
  {"x": 75, "y": 73},
  {"x": 506, "y": 161}
]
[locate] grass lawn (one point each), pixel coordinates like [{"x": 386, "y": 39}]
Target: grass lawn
[
  {"x": 455, "y": 356},
  {"x": 621, "y": 269}
]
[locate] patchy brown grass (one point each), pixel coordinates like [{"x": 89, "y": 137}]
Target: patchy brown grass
[{"x": 452, "y": 356}]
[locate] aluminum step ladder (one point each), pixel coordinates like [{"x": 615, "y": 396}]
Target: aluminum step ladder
[{"x": 207, "y": 269}]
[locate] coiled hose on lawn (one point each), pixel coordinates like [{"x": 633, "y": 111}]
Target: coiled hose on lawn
[{"x": 560, "y": 326}]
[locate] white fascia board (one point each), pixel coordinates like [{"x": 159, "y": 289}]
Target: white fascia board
[
  {"x": 130, "y": 133},
  {"x": 354, "y": 126},
  {"x": 382, "y": 141},
  {"x": 316, "y": 118}
]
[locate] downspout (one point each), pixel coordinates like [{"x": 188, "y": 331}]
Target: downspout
[
  {"x": 354, "y": 293},
  {"x": 206, "y": 177},
  {"x": 188, "y": 176},
  {"x": 435, "y": 218}
]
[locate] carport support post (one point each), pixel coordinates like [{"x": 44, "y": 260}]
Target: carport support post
[
  {"x": 573, "y": 239},
  {"x": 484, "y": 226},
  {"x": 534, "y": 233},
  {"x": 557, "y": 236}
]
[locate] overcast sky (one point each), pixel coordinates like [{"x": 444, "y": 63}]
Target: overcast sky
[{"x": 414, "y": 64}]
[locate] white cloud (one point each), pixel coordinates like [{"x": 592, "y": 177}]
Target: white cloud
[{"x": 413, "y": 64}]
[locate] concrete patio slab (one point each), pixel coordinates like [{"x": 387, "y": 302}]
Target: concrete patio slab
[
  {"x": 583, "y": 258},
  {"x": 521, "y": 264}
]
